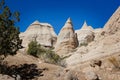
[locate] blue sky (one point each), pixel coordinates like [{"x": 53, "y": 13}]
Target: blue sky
[{"x": 56, "y": 12}]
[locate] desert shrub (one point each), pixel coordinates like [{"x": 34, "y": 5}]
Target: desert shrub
[
  {"x": 51, "y": 57},
  {"x": 46, "y": 55},
  {"x": 33, "y": 48},
  {"x": 114, "y": 61},
  {"x": 83, "y": 44}
]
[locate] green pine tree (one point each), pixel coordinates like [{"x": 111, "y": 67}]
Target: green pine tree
[{"x": 9, "y": 33}]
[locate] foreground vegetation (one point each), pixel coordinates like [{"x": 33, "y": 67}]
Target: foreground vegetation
[
  {"x": 10, "y": 42},
  {"x": 47, "y": 55}
]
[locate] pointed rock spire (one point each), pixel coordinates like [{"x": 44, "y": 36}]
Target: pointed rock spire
[
  {"x": 67, "y": 39},
  {"x": 68, "y": 23},
  {"x": 69, "y": 20},
  {"x": 85, "y": 34},
  {"x": 86, "y": 27}
]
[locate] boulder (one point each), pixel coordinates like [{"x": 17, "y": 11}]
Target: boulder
[{"x": 90, "y": 75}]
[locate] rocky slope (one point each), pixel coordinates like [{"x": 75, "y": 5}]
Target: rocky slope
[
  {"x": 85, "y": 62},
  {"x": 113, "y": 24},
  {"x": 106, "y": 44}
]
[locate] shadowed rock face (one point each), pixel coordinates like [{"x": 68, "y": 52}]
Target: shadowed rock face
[
  {"x": 42, "y": 32},
  {"x": 113, "y": 24},
  {"x": 67, "y": 39}
]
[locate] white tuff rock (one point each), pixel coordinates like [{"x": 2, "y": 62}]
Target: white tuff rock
[
  {"x": 90, "y": 75},
  {"x": 67, "y": 39},
  {"x": 104, "y": 45},
  {"x": 85, "y": 34},
  {"x": 113, "y": 24},
  {"x": 42, "y": 32}
]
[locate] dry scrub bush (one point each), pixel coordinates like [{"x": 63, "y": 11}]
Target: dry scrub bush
[{"x": 46, "y": 55}]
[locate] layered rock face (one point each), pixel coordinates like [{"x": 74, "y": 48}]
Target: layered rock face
[
  {"x": 67, "y": 39},
  {"x": 105, "y": 44},
  {"x": 85, "y": 34},
  {"x": 43, "y": 33},
  {"x": 113, "y": 24}
]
